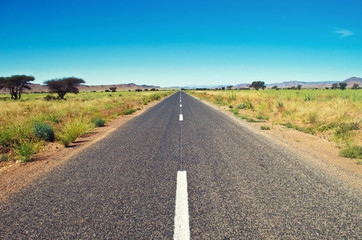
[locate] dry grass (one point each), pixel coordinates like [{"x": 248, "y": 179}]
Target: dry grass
[
  {"x": 69, "y": 118},
  {"x": 333, "y": 114}
]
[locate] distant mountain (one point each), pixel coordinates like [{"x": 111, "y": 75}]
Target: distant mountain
[
  {"x": 89, "y": 88},
  {"x": 321, "y": 84},
  {"x": 303, "y": 84},
  {"x": 353, "y": 80}
]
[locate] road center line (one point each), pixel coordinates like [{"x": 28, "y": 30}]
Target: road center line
[
  {"x": 181, "y": 118},
  {"x": 182, "y": 227},
  {"x": 180, "y": 105}
]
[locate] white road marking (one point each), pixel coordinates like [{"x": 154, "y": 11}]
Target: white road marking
[
  {"x": 180, "y": 100},
  {"x": 181, "y": 118},
  {"x": 182, "y": 227},
  {"x": 180, "y": 105}
]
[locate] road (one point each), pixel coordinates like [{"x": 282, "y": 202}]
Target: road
[{"x": 222, "y": 181}]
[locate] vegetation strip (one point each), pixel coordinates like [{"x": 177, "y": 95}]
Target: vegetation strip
[
  {"x": 332, "y": 114},
  {"x": 27, "y": 125}
]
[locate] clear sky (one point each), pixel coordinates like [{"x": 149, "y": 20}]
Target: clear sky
[{"x": 178, "y": 43}]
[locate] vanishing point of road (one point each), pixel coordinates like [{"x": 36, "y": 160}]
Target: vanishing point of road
[{"x": 183, "y": 170}]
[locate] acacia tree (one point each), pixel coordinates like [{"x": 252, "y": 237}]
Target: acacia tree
[
  {"x": 63, "y": 86},
  {"x": 355, "y": 86},
  {"x": 342, "y": 85},
  {"x": 257, "y": 85},
  {"x": 16, "y": 84},
  {"x": 113, "y": 89},
  {"x": 334, "y": 86}
]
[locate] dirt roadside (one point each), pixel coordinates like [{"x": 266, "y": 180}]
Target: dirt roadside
[
  {"x": 317, "y": 150},
  {"x": 17, "y": 175}
]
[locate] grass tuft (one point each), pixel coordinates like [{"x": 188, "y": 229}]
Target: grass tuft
[{"x": 352, "y": 152}]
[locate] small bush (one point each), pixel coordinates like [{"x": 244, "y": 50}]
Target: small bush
[
  {"x": 5, "y": 137},
  {"x": 4, "y": 158},
  {"x": 25, "y": 150},
  {"x": 240, "y": 106},
  {"x": 99, "y": 122},
  {"x": 352, "y": 152},
  {"x": 49, "y": 98},
  {"x": 265, "y": 128},
  {"x": 250, "y": 120},
  {"x": 43, "y": 131},
  {"x": 247, "y": 103},
  {"x": 231, "y": 106},
  {"x": 73, "y": 130}
]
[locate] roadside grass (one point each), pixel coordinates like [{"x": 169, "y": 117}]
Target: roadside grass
[
  {"x": 27, "y": 125},
  {"x": 332, "y": 114}
]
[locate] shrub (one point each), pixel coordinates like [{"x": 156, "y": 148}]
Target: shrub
[
  {"x": 99, "y": 122},
  {"x": 247, "y": 103},
  {"x": 265, "y": 128},
  {"x": 43, "y": 131},
  {"x": 352, "y": 152},
  {"x": 231, "y": 106},
  {"x": 49, "y": 97},
  {"x": 25, "y": 150},
  {"x": 73, "y": 130},
  {"x": 5, "y": 137},
  {"x": 4, "y": 158},
  {"x": 240, "y": 106}
]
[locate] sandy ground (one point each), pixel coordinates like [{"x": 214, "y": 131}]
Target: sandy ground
[{"x": 14, "y": 176}]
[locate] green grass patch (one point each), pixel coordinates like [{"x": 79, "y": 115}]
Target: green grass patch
[
  {"x": 352, "y": 152},
  {"x": 265, "y": 128},
  {"x": 99, "y": 122},
  {"x": 129, "y": 111}
]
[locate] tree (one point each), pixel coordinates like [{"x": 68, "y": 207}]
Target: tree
[
  {"x": 63, "y": 86},
  {"x": 229, "y": 87},
  {"x": 355, "y": 86},
  {"x": 334, "y": 86},
  {"x": 299, "y": 87},
  {"x": 342, "y": 85},
  {"x": 113, "y": 89},
  {"x": 257, "y": 85},
  {"x": 16, "y": 84}
]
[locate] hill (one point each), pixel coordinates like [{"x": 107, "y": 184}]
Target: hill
[{"x": 321, "y": 84}]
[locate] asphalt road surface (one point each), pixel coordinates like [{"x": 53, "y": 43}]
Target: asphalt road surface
[{"x": 198, "y": 175}]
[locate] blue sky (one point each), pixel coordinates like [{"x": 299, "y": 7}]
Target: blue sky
[{"x": 178, "y": 43}]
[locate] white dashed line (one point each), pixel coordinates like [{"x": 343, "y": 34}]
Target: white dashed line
[
  {"x": 180, "y": 105},
  {"x": 181, "y": 118},
  {"x": 182, "y": 227}
]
